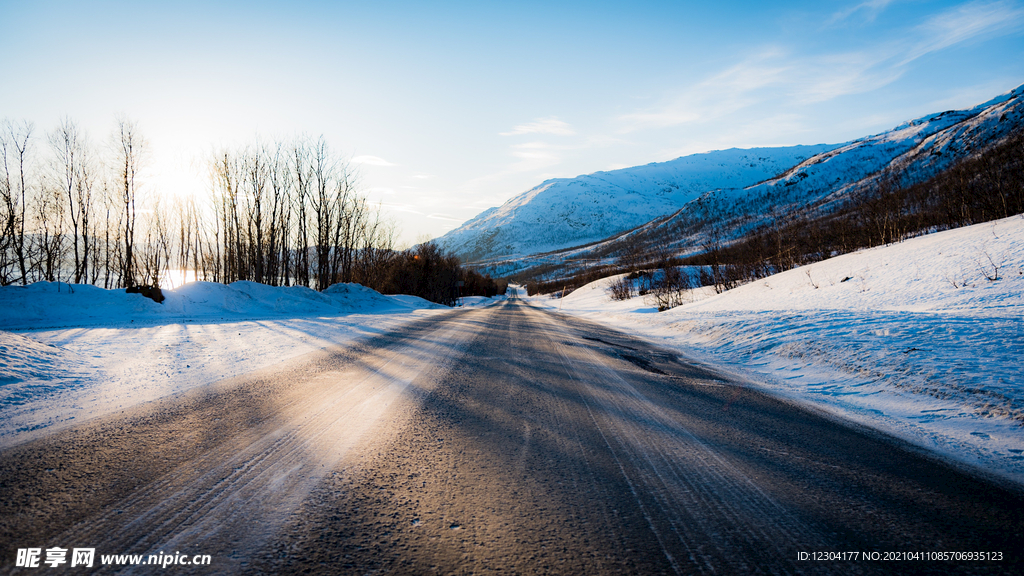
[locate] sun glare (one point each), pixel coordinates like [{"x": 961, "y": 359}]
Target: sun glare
[{"x": 175, "y": 175}]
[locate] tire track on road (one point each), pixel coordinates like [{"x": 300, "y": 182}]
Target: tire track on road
[
  {"x": 229, "y": 501},
  {"x": 690, "y": 483}
]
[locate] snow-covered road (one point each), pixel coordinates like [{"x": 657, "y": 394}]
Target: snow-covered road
[
  {"x": 317, "y": 426},
  {"x": 505, "y": 438}
]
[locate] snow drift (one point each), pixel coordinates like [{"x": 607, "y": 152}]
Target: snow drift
[{"x": 52, "y": 304}]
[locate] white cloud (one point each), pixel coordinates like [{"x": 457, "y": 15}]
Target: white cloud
[
  {"x": 728, "y": 91},
  {"x": 777, "y": 75},
  {"x": 535, "y": 155},
  {"x": 550, "y": 125},
  {"x": 446, "y": 217},
  {"x": 871, "y": 9},
  {"x": 826, "y": 77},
  {"x": 536, "y": 158},
  {"x": 963, "y": 23},
  {"x": 402, "y": 207},
  {"x": 371, "y": 161}
]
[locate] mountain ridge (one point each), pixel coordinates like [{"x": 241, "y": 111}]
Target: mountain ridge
[
  {"x": 637, "y": 195},
  {"x": 562, "y": 213}
]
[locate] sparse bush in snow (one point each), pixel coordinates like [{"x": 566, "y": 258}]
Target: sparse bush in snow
[
  {"x": 809, "y": 278},
  {"x": 644, "y": 278},
  {"x": 671, "y": 288},
  {"x": 958, "y": 278},
  {"x": 622, "y": 289},
  {"x": 990, "y": 266}
]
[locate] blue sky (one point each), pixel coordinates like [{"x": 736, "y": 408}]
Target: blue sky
[{"x": 448, "y": 108}]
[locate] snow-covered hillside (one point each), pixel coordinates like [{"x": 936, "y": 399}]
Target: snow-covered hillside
[
  {"x": 571, "y": 211},
  {"x": 727, "y": 184},
  {"x": 915, "y": 338},
  {"x": 915, "y": 150},
  {"x": 68, "y": 353}
]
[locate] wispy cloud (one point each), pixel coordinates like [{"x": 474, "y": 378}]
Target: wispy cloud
[
  {"x": 830, "y": 76},
  {"x": 965, "y": 23},
  {"x": 531, "y": 157},
  {"x": 446, "y": 217},
  {"x": 775, "y": 74},
  {"x": 403, "y": 207},
  {"x": 550, "y": 125},
  {"x": 735, "y": 88},
  {"x": 535, "y": 155},
  {"x": 541, "y": 160},
  {"x": 868, "y": 10},
  {"x": 371, "y": 161}
]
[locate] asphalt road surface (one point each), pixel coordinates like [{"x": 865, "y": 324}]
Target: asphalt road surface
[{"x": 499, "y": 440}]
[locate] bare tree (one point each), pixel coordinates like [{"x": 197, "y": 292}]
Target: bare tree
[
  {"x": 15, "y": 146},
  {"x": 301, "y": 168},
  {"x": 671, "y": 288},
  {"x": 155, "y": 252},
  {"x": 48, "y": 235},
  {"x": 130, "y": 148},
  {"x": 350, "y": 216},
  {"x": 230, "y": 203},
  {"x": 278, "y": 224},
  {"x": 8, "y": 212},
  {"x": 633, "y": 254},
  {"x": 255, "y": 174},
  {"x": 74, "y": 173},
  {"x": 376, "y": 252},
  {"x": 291, "y": 214},
  {"x": 112, "y": 229},
  {"x": 189, "y": 243},
  {"x": 323, "y": 206},
  {"x": 622, "y": 288}
]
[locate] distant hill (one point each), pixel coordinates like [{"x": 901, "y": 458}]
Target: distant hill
[
  {"x": 726, "y": 184},
  {"x": 565, "y": 212}
]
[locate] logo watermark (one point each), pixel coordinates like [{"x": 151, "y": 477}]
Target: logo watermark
[{"x": 86, "y": 558}]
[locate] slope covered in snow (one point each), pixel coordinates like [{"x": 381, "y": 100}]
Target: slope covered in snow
[
  {"x": 571, "y": 211},
  {"x": 740, "y": 185},
  {"x": 922, "y": 339},
  {"x": 914, "y": 151},
  {"x": 50, "y": 304}
]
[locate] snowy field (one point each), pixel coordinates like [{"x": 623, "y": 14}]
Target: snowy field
[
  {"x": 69, "y": 353},
  {"x": 922, "y": 339}
]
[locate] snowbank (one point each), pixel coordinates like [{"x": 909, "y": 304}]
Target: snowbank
[
  {"x": 49, "y": 304},
  {"x": 922, "y": 339}
]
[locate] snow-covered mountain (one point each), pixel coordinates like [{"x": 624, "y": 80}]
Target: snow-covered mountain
[
  {"x": 567, "y": 212},
  {"x": 914, "y": 150}
]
